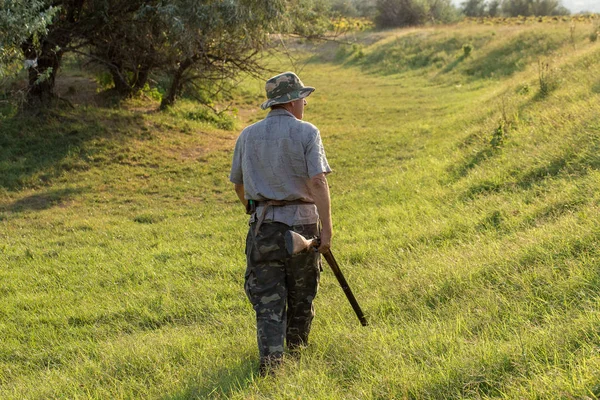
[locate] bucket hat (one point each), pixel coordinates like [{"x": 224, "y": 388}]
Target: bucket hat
[{"x": 284, "y": 88}]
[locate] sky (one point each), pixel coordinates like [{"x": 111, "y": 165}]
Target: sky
[{"x": 576, "y": 6}]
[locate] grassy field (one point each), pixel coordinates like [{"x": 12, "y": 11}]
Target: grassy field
[{"x": 466, "y": 211}]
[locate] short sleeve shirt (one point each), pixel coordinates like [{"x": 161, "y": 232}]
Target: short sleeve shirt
[{"x": 274, "y": 160}]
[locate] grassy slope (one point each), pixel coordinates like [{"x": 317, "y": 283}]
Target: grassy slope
[{"x": 473, "y": 250}]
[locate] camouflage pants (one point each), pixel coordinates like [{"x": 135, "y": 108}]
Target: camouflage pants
[{"x": 281, "y": 288}]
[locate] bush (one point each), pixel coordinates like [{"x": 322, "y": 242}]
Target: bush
[
  {"x": 400, "y": 13},
  {"x": 467, "y": 49},
  {"x": 548, "y": 78}
]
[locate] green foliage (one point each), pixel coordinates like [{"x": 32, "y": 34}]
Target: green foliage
[
  {"x": 514, "y": 8},
  {"x": 152, "y": 92},
  {"x": 399, "y": 13},
  {"x": 474, "y": 8},
  {"x": 20, "y": 21},
  {"x": 104, "y": 79},
  {"x": 352, "y": 8},
  {"x": 192, "y": 41}
]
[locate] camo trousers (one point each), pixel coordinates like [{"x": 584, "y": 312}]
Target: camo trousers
[{"x": 281, "y": 288}]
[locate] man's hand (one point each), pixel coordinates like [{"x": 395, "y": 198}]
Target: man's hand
[{"x": 325, "y": 241}]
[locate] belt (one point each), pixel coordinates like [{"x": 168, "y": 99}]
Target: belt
[{"x": 265, "y": 204}]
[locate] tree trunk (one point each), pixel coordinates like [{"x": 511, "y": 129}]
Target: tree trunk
[
  {"x": 142, "y": 77},
  {"x": 122, "y": 86},
  {"x": 176, "y": 84},
  {"x": 42, "y": 74}
]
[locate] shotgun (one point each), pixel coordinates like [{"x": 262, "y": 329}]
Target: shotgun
[{"x": 296, "y": 243}]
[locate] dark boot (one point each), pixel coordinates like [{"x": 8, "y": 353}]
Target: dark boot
[
  {"x": 296, "y": 345},
  {"x": 268, "y": 365}
]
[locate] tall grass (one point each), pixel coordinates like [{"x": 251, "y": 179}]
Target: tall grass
[{"x": 121, "y": 240}]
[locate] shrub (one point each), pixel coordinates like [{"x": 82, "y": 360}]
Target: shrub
[
  {"x": 358, "y": 51},
  {"x": 399, "y": 13},
  {"x": 548, "y": 78},
  {"x": 498, "y": 136},
  {"x": 467, "y": 49}
]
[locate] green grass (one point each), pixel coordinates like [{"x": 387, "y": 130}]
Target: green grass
[{"x": 473, "y": 250}]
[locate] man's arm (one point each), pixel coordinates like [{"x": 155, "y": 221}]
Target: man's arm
[
  {"x": 239, "y": 190},
  {"x": 319, "y": 190}
]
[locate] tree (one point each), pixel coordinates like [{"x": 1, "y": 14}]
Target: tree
[
  {"x": 23, "y": 23},
  {"x": 474, "y": 8},
  {"x": 215, "y": 41},
  {"x": 189, "y": 40},
  {"x": 493, "y": 8},
  {"x": 514, "y": 8},
  {"x": 399, "y": 13},
  {"x": 548, "y": 7},
  {"x": 352, "y": 8},
  {"x": 130, "y": 40},
  {"x": 440, "y": 11}
]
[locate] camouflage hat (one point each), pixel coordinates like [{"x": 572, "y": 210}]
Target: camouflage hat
[{"x": 284, "y": 88}]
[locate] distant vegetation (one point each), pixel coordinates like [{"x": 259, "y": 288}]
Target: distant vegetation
[
  {"x": 513, "y": 8},
  {"x": 196, "y": 49},
  {"x": 399, "y": 13},
  {"x": 196, "y": 45}
]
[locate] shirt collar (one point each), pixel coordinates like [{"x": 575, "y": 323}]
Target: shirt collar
[{"x": 280, "y": 112}]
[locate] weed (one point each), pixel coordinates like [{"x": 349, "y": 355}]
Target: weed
[
  {"x": 572, "y": 33},
  {"x": 467, "y": 49},
  {"x": 498, "y": 136},
  {"x": 548, "y": 78},
  {"x": 358, "y": 51}
]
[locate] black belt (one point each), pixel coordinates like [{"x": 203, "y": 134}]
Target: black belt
[{"x": 279, "y": 203}]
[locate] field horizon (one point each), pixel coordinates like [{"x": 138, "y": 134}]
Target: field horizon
[{"x": 466, "y": 217}]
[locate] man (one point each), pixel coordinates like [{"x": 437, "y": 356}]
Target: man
[{"x": 279, "y": 173}]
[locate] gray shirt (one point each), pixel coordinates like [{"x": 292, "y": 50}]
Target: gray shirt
[{"x": 274, "y": 160}]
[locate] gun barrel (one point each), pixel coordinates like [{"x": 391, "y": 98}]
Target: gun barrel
[{"x": 345, "y": 287}]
